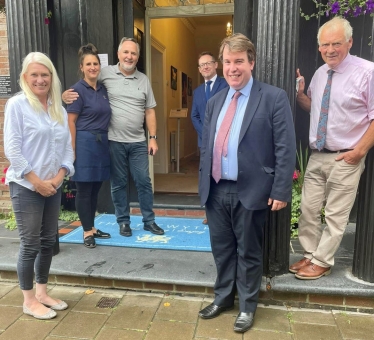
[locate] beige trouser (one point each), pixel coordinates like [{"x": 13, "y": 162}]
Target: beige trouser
[{"x": 333, "y": 182}]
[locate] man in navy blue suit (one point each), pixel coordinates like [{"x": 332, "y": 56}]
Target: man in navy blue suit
[
  {"x": 247, "y": 160},
  {"x": 212, "y": 84}
]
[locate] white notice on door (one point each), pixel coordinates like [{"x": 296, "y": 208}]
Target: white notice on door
[{"x": 103, "y": 60}]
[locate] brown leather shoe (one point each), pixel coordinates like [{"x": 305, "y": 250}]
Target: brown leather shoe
[
  {"x": 298, "y": 265},
  {"x": 312, "y": 272},
  {"x": 205, "y": 221}
]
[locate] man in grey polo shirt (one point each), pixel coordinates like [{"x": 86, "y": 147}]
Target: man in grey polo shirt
[{"x": 131, "y": 100}]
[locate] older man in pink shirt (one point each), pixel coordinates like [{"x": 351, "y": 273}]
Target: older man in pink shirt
[{"x": 340, "y": 100}]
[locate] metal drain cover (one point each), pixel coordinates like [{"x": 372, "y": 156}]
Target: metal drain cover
[{"x": 107, "y": 302}]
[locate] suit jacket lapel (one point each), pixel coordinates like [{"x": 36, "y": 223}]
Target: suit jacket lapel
[
  {"x": 254, "y": 100},
  {"x": 218, "y": 103},
  {"x": 215, "y": 86}
]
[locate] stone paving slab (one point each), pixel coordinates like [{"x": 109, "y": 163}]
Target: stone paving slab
[{"x": 147, "y": 316}]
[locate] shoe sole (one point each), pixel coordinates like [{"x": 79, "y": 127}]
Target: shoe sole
[
  {"x": 153, "y": 232},
  {"x": 126, "y": 235},
  {"x": 293, "y": 271},
  {"x": 212, "y": 317},
  {"x": 241, "y": 330},
  {"x": 313, "y": 277},
  {"x": 90, "y": 247},
  {"x": 48, "y": 316},
  {"x": 102, "y": 237}
]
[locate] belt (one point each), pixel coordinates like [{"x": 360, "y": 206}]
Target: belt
[{"x": 324, "y": 150}]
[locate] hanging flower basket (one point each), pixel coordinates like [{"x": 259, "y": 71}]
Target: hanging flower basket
[{"x": 344, "y": 8}]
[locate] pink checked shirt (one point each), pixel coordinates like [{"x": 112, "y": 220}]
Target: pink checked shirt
[{"x": 351, "y": 102}]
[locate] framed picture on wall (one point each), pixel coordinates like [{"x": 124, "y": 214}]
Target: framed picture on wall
[
  {"x": 189, "y": 86},
  {"x": 184, "y": 89},
  {"x": 173, "y": 78}
]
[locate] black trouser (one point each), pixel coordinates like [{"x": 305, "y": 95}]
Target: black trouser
[
  {"x": 236, "y": 236},
  {"x": 86, "y": 202}
]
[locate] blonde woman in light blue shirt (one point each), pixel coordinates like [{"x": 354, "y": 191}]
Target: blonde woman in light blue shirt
[{"x": 37, "y": 144}]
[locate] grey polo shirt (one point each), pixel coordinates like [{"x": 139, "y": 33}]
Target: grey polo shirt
[{"x": 129, "y": 96}]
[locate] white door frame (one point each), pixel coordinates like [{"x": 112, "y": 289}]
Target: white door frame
[{"x": 162, "y": 49}]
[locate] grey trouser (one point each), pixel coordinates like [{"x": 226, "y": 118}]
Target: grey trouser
[{"x": 37, "y": 224}]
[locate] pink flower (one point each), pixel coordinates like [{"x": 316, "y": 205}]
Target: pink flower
[
  {"x": 3, "y": 180},
  {"x": 46, "y": 20},
  {"x": 295, "y": 175},
  {"x": 5, "y": 170}
]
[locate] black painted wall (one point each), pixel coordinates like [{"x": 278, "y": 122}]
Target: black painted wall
[{"x": 73, "y": 24}]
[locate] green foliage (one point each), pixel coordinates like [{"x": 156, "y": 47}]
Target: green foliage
[
  {"x": 10, "y": 220},
  {"x": 68, "y": 216},
  {"x": 65, "y": 187},
  {"x": 297, "y": 186}
]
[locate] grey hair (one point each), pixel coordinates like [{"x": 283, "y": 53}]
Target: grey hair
[
  {"x": 129, "y": 39},
  {"x": 335, "y": 23}
]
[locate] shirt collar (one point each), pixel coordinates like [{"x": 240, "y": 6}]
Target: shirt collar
[
  {"x": 342, "y": 66},
  {"x": 213, "y": 79},
  {"x": 245, "y": 91},
  {"x": 134, "y": 75},
  {"x": 84, "y": 83}
]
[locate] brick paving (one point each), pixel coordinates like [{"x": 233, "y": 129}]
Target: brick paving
[{"x": 152, "y": 316}]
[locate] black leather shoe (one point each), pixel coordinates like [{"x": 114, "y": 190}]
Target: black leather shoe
[
  {"x": 212, "y": 311},
  {"x": 154, "y": 228},
  {"x": 101, "y": 234},
  {"x": 243, "y": 322},
  {"x": 125, "y": 230},
  {"x": 89, "y": 242}
]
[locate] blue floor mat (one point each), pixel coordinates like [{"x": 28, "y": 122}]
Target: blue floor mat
[{"x": 180, "y": 234}]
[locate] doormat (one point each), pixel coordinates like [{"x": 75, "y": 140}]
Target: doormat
[{"x": 180, "y": 234}]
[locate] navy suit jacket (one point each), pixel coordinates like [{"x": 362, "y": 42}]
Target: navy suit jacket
[
  {"x": 199, "y": 104},
  {"x": 266, "y": 149}
]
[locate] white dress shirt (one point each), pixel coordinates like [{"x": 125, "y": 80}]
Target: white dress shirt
[
  {"x": 34, "y": 142},
  {"x": 213, "y": 79}
]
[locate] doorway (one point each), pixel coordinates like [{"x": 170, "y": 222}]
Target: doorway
[{"x": 175, "y": 41}]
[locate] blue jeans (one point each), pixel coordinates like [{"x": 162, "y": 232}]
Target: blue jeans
[
  {"x": 134, "y": 156},
  {"x": 37, "y": 224}
]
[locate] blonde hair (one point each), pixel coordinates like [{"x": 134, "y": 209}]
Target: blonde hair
[{"x": 54, "y": 95}]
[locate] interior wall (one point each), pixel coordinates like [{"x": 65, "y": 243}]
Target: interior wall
[
  {"x": 216, "y": 31},
  {"x": 181, "y": 53}
]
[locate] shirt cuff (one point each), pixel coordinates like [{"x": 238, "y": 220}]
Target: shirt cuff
[
  {"x": 26, "y": 171},
  {"x": 67, "y": 169}
]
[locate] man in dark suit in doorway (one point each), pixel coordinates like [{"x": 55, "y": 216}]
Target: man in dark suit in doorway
[
  {"x": 207, "y": 65},
  {"x": 212, "y": 85},
  {"x": 247, "y": 161}
]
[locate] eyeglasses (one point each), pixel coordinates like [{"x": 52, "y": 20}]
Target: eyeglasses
[
  {"x": 335, "y": 46},
  {"x": 208, "y": 63}
]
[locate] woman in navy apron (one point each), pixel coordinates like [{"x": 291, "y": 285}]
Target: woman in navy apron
[{"x": 89, "y": 118}]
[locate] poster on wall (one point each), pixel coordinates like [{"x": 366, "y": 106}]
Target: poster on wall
[
  {"x": 189, "y": 86},
  {"x": 184, "y": 89},
  {"x": 173, "y": 78}
]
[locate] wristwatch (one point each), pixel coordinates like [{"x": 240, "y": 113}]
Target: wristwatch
[{"x": 155, "y": 137}]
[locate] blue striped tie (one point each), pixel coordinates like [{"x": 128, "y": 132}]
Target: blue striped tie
[{"x": 322, "y": 123}]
